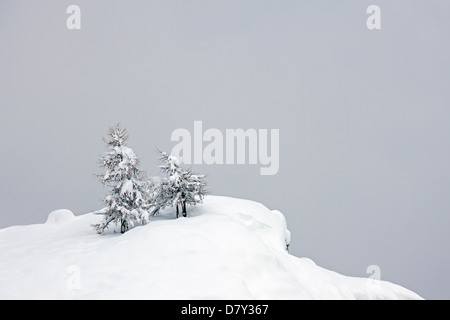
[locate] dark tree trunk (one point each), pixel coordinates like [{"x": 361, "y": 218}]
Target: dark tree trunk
[
  {"x": 178, "y": 211},
  {"x": 184, "y": 208},
  {"x": 124, "y": 226}
]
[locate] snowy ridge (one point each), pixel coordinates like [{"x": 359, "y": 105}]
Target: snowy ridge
[{"x": 226, "y": 249}]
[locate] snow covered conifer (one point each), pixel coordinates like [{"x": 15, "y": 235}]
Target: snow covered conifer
[
  {"x": 127, "y": 202},
  {"x": 181, "y": 188},
  {"x": 161, "y": 193}
]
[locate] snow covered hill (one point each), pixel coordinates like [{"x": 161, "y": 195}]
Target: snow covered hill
[{"x": 226, "y": 249}]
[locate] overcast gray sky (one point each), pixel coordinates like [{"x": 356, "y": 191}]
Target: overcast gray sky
[{"x": 363, "y": 115}]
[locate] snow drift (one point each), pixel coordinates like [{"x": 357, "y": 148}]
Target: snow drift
[{"x": 226, "y": 249}]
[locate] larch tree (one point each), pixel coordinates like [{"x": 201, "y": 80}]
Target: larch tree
[
  {"x": 127, "y": 203},
  {"x": 181, "y": 187}
]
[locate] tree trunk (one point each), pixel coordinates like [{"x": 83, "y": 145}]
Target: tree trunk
[
  {"x": 124, "y": 226},
  {"x": 177, "y": 211},
  {"x": 184, "y": 208}
]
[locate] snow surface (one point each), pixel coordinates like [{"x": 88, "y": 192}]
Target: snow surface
[
  {"x": 60, "y": 216},
  {"x": 226, "y": 249}
]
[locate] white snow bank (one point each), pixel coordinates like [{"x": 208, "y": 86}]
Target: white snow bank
[
  {"x": 226, "y": 249},
  {"x": 61, "y": 216}
]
